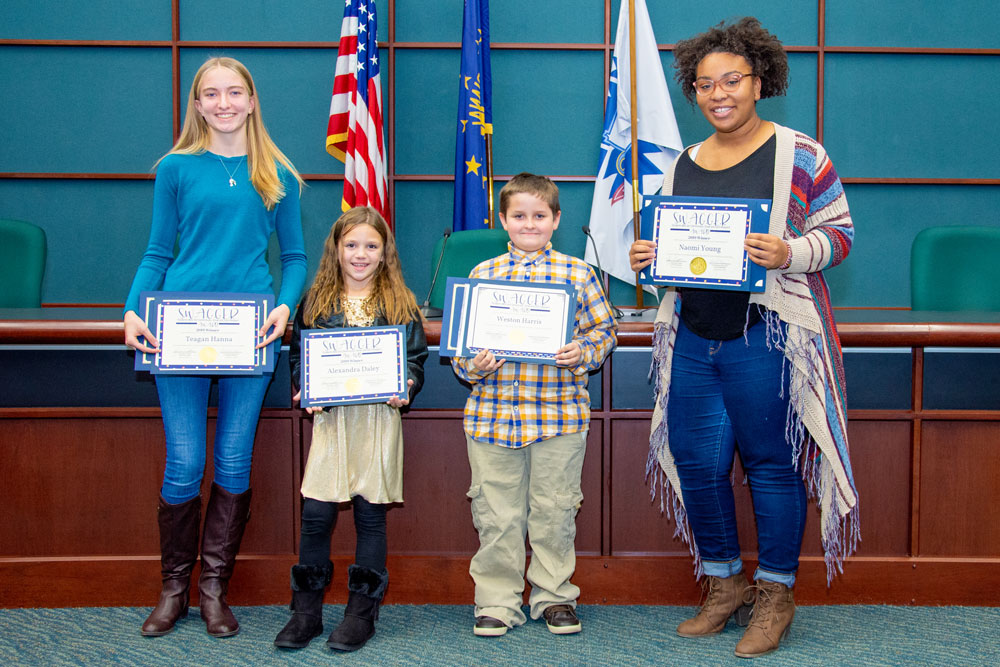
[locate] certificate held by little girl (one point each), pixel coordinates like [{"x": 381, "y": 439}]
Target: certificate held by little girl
[{"x": 353, "y": 365}]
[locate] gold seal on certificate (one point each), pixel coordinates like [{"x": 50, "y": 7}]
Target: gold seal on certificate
[
  {"x": 700, "y": 241},
  {"x": 206, "y": 333},
  {"x": 353, "y": 365}
]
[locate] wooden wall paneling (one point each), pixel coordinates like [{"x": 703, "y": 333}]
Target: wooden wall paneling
[
  {"x": 637, "y": 526},
  {"x": 271, "y": 529},
  {"x": 75, "y": 487},
  {"x": 959, "y": 494},
  {"x": 881, "y": 461},
  {"x": 435, "y": 516}
]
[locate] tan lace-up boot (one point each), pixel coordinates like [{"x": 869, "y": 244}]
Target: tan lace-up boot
[
  {"x": 723, "y": 598},
  {"x": 770, "y": 620}
]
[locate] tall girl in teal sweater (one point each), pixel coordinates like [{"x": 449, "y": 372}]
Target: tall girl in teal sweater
[{"x": 220, "y": 193}]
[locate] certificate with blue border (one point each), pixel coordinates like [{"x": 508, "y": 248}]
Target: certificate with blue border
[
  {"x": 206, "y": 333},
  {"x": 517, "y": 321},
  {"x": 353, "y": 365},
  {"x": 699, "y": 241}
]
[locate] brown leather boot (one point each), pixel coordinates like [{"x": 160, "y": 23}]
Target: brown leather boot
[
  {"x": 179, "y": 526},
  {"x": 723, "y": 598},
  {"x": 226, "y": 517},
  {"x": 770, "y": 620}
]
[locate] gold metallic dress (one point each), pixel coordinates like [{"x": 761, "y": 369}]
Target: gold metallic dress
[{"x": 357, "y": 450}]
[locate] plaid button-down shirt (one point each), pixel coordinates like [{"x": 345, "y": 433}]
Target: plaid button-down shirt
[{"x": 521, "y": 403}]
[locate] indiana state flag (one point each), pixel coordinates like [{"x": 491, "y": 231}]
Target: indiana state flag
[
  {"x": 659, "y": 142},
  {"x": 475, "y": 119}
]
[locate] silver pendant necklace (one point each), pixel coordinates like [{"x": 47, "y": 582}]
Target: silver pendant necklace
[{"x": 232, "y": 180}]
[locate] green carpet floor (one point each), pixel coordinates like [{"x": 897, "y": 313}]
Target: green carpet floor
[{"x": 442, "y": 635}]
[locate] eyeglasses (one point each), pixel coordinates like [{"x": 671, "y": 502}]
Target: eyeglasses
[{"x": 729, "y": 83}]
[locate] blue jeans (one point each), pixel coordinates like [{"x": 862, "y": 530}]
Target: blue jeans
[
  {"x": 184, "y": 404},
  {"x": 726, "y": 395}
]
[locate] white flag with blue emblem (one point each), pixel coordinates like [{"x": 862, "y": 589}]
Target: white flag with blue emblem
[{"x": 659, "y": 142}]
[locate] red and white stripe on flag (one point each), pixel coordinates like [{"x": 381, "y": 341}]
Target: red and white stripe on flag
[{"x": 354, "y": 134}]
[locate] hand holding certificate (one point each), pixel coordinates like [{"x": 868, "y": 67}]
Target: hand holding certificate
[
  {"x": 518, "y": 321},
  {"x": 700, "y": 241},
  {"x": 205, "y": 333},
  {"x": 354, "y": 365}
]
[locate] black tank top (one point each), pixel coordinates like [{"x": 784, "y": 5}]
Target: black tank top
[{"x": 713, "y": 313}]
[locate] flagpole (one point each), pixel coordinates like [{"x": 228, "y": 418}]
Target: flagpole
[
  {"x": 634, "y": 138},
  {"x": 489, "y": 174}
]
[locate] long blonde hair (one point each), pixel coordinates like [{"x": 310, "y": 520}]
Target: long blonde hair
[
  {"x": 263, "y": 155},
  {"x": 389, "y": 295}
]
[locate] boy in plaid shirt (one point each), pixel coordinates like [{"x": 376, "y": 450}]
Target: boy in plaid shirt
[{"x": 526, "y": 429}]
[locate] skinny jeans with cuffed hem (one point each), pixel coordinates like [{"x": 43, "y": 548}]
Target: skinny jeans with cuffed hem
[{"x": 728, "y": 396}]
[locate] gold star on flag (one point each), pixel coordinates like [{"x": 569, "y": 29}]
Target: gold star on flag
[{"x": 473, "y": 166}]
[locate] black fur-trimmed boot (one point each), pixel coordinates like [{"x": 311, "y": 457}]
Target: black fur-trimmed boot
[
  {"x": 309, "y": 583},
  {"x": 365, "y": 590}
]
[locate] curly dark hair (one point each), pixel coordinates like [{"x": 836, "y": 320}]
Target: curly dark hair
[{"x": 746, "y": 38}]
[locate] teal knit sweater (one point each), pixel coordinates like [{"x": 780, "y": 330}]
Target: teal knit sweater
[{"x": 221, "y": 233}]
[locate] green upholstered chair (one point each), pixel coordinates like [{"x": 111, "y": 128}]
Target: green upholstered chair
[
  {"x": 22, "y": 264},
  {"x": 462, "y": 252},
  {"x": 955, "y": 268}
]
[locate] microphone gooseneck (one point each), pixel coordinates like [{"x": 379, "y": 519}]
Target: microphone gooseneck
[
  {"x": 618, "y": 314},
  {"x": 425, "y": 308}
]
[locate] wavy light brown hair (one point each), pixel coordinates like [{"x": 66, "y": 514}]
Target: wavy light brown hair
[
  {"x": 746, "y": 38},
  {"x": 389, "y": 295},
  {"x": 263, "y": 156}
]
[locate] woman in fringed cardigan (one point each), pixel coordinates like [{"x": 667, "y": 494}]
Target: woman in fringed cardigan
[{"x": 761, "y": 373}]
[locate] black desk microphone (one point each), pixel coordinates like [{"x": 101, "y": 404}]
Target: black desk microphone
[
  {"x": 425, "y": 308},
  {"x": 618, "y": 314}
]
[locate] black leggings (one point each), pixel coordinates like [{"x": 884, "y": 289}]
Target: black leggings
[{"x": 318, "y": 520}]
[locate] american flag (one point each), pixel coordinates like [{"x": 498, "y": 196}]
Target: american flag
[{"x": 354, "y": 134}]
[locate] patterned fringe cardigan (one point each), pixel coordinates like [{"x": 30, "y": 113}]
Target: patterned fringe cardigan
[{"x": 810, "y": 212}]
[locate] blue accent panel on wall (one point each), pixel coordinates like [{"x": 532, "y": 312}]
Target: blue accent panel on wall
[
  {"x": 427, "y": 111},
  {"x": 98, "y": 378},
  {"x": 796, "y": 109},
  {"x": 886, "y": 219},
  {"x": 970, "y": 24},
  {"x": 792, "y": 21},
  {"x": 294, "y": 88},
  {"x": 423, "y": 213},
  {"x": 85, "y": 19},
  {"x": 320, "y": 209},
  {"x": 96, "y": 233},
  {"x": 536, "y": 124},
  {"x": 957, "y": 379},
  {"x": 547, "y": 111},
  {"x": 878, "y": 380},
  {"x": 923, "y": 128},
  {"x": 631, "y": 388},
  {"x": 553, "y": 21},
  {"x": 84, "y": 110},
  {"x": 268, "y": 21}
]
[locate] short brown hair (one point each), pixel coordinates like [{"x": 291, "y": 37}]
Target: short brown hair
[{"x": 540, "y": 186}]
